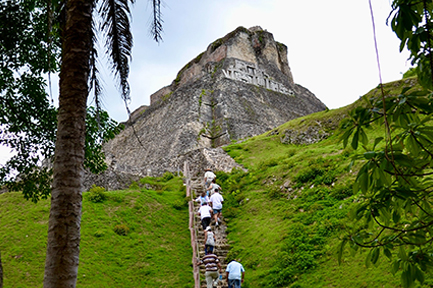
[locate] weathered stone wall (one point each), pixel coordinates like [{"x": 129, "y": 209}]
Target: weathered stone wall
[{"x": 158, "y": 96}]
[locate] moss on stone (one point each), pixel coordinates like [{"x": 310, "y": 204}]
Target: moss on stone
[
  {"x": 187, "y": 66},
  {"x": 217, "y": 67},
  {"x": 166, "y": 96},
  {"x": 280, "y": 46},
  {"x": 217, "y": 43}
]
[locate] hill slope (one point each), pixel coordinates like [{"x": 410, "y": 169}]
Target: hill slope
[
  {"x": 156, "y": 252},
  {"x": 285, "y": 215}
]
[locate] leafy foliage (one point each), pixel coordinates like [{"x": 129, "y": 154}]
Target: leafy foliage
[
  {"x": 100, "y": 128},
  {"x": 97, "y": 194},
  {"x": 412, "y": 23},
  {"x": 29, "y": 170},
  {"x": 394, "y": 214},
  {"x": 28, "y": 120}
]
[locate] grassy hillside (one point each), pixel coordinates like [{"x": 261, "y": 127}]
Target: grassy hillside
[
  {"x": 287, "y": 213},
  {"x": 155, "y": 252}
]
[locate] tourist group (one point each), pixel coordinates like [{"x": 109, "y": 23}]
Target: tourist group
[{"x": 211, "y": 205}]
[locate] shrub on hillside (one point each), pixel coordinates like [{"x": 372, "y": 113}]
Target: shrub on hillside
[
  {"x": 98, "y": 233},
  {"x": 167, "y": 176},
  {"x": 342, "y": 192},
  {"x": 275, "y": 193},
  {"x": 221, "y": 176},
  {"x": 328, "y": 178},
  {"x": 180, "y": 204},
  {"x": 308, "y": 174},
  {"x": 231, "y": 212},
  {"x": 268, "y": 163},
  {"x": 134, "y": 186},
  {"x": 299, "y": 253},
  {"x": 121, "y": 229},
  {"x": 97, "y": 194}
]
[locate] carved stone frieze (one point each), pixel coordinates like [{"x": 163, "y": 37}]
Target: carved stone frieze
[{"x": 252, "y": 74}]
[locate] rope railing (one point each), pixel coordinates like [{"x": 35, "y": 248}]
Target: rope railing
[{"x": 193, "y": 233}]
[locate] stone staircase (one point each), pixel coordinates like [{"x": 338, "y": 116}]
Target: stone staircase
[{"x": 221, "y": 247}]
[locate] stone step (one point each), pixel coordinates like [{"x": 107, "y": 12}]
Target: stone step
[{"x": 219, "y": 285}]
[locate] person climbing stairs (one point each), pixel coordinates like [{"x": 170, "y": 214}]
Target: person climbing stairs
[{"x": 221, "y": 247}]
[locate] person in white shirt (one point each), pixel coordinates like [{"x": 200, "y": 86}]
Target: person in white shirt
[
  {"x": 212, "y": 186},
  {"x": 216, "y": 201},
  {"x": 208, "y": 177},
  {"x": 202, "y": 198},
  {"x": 205, "y": 215},
  {"x": 235, "y": 274},
  {"x": 209, "y": 241}
]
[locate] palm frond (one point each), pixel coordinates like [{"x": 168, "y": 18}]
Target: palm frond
[
  {"x": 116, "y": 25},
  {"x": 156, "y": 25},
  {"x": 94, "y": 79}
]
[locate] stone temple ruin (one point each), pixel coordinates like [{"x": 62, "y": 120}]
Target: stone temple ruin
[{"x": 240, "y": 86}]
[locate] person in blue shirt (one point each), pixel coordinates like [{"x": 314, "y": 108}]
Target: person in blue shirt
[{"x": 235, "y": 274}]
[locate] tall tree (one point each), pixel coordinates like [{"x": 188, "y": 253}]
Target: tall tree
[
  {"x": 394, "y": 212},
  {"x": 61, "y": 265},
  {"x": 28, "y": 120},
  {"x": 78, "y": 52}
]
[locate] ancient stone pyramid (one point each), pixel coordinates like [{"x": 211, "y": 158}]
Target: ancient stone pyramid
[{"x": 239, "y": 87}]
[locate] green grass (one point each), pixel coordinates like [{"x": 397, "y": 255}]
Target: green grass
[{"x": 156, "y": 252}]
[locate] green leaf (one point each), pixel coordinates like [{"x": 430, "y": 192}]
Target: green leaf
[
  {"x": 340, "y": 250},
  {"x": 395, "y": 216},
  {"x": 363, "y": 180},
  {"x": 405, "y": 89},
  {"x": 375, "y": 255},
  {"x": 377, "y": 141},
  {"x": 419, "y": 275},
  {"x": 355, "y": 139},
  {"x": 346, "y": 136},
  {"x": 387, "y": 253},
  {"x": 406, "y": 279},
  {"x": 369, "y": 155},
  {"x": 368, "y": 259},
  {"x": 416, "y": 238},
  {"x": 402, "y": 253},
  {"x": 363, "y": 137},
  {"x": 395, "y": 266}
]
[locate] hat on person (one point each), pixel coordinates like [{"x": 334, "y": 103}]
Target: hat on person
[{"x": 208, "y": 228}]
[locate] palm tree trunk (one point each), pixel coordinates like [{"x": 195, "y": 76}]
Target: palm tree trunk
[{"x": 63, "y": 245}]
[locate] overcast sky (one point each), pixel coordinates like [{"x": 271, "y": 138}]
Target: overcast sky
[{"x": 330, "y": 45}]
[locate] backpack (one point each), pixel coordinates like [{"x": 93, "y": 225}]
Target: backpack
[
  {"x": 202, "y": 200},
  {"x": 210, "y": 239}
]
